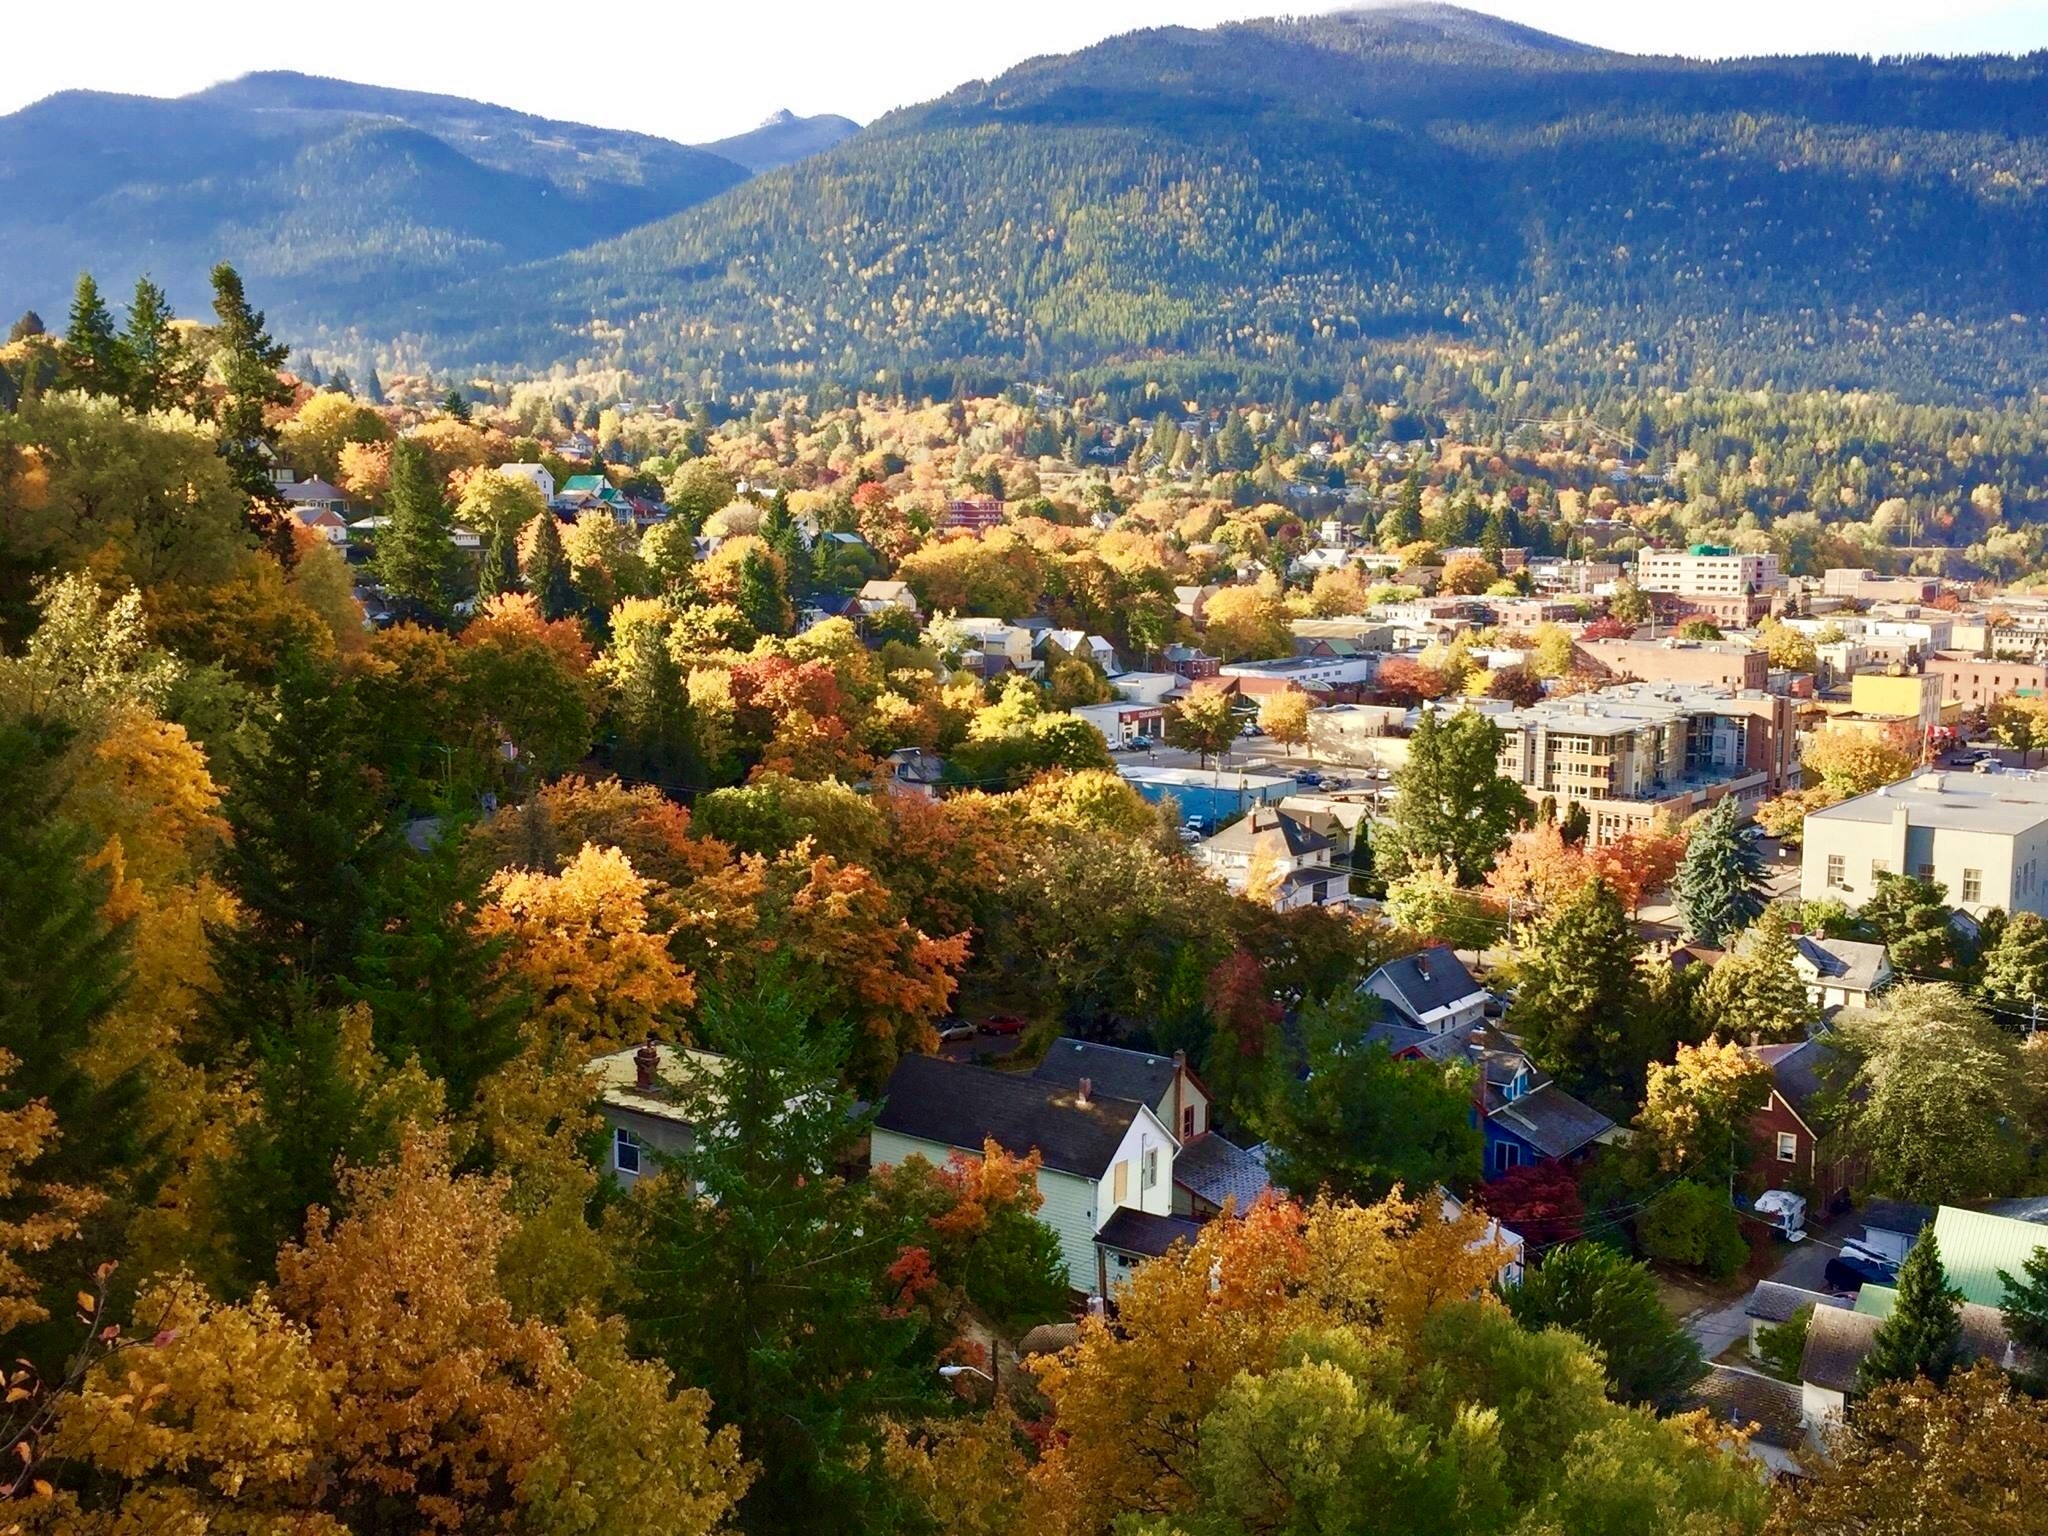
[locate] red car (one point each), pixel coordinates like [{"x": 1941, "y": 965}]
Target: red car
[{"x": 1002, "y": 1024}]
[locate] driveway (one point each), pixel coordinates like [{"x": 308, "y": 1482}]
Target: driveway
[{"x": 1716, "y": 1327}]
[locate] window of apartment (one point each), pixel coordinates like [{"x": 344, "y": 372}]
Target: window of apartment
[
  {"x": 1788, "y": 1147},
  {"x": 1973, "y": 885},
  {"x": 1837, "y": 871},
  {"x": 625, "y": 1150},
  {"x": 1150, "y": 1178}
]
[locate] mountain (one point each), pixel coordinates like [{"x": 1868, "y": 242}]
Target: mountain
[
  {"x": 329, "y": 195},
  {"x": 1281, "y": 197},
  {"x": 783, "y": 139}
]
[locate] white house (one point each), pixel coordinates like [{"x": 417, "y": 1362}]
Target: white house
[
  {"x": 1106, "y": 1163},
  {"x": 637, "y": 1097},
  {"x": 1429, "y": 990},
  {"x": 537, "y": 475},
  {"x": 1841, "y": 973},
  {"x": 1276, "y": 858}
]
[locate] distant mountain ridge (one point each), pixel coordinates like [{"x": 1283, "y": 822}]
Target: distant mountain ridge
[
  {"x": 331, "y": 195},
  {"x": 784, "y": 138}
]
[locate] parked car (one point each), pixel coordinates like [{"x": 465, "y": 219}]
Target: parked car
[
  {"x": 1851, "y": 1270},
  {"x": 1252, "y": 728},
  {"x": 1784, "y": 1211},
  {"x": 1141, "y": 743},
  {"x": 1002, "y": 1024},
  {"x": 956, "y": 1029},
  {"x": 1308, "y": 778}
]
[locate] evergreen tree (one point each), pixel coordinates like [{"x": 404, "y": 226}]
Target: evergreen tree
[
  {"x": 1757, "y": 993},
  {"x": 1579, "y": 992},
  {"x": 756, "y": 1266},
  {"x": 499, "y": 572},
  {"x": 415, "y": 559},
  {"x": 30, "y": 324},
  {"x": 316, "y": 1110},
  {"x": 248, "y": 359},
  {"x": 1924, "y": 1334},
  {"x": 431, "y": 982},
  {"x": 92, "y": 355},
  {"x": 162, "y": 371},
  {"x": 2026, "y": 1301},
  {"x": 651, "y": 713},
  {"x": 547, "y": 571},
  {"x": 1911, "y": 918},
  {"x": 780, "y": 533},
  {"x": 1720, "y": 882},
  {"x": 455, "y": 404},
  {"x": 760, "y": 596},
  {"x": 1234, "y": 446},
  {"x": 1403, "y": 524},
  {"x": 309, "y": 844}
]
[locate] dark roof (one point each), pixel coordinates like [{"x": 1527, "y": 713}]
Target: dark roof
[
  {"x": 1250, "y": 833},
  {"x": 957, "y": 1105},
  {"x": 1217, "y": 1170},
  {"x": 1774, "y": 1302},
  {"x": 1426, "y": 981},
  {"x": 1801, "y": 1070},
  {"x": 1738, "y": 1397},
  {"x": 1120, "y": 1073},
  {"x": 1552, "y": 1121},
  {"x": 1897, "y": 1216},
  {"x": 1141, "y": 1232},
  {"x": 1836, "y": 1342}
]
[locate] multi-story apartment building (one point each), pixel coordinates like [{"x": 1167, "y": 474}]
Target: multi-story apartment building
[
  {"x": 1982, "y": 835},
  {"x": 1631, "y": 753},
  {"x": 1707, "y": 570}
]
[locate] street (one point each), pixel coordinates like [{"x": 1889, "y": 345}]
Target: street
[{"x": 1716, "y": 1326}]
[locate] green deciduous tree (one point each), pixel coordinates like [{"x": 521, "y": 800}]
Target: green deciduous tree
[
  {"x": 1924, "y": 1334},
  {"x": 1911, "y": 918},
  {"x": 1939, "y": 1098},
  {"x": 1355, "y": 1122},
  {"x": 1720, "y": 880},
  {"x": 1755, "y": 993},
  {"x": 1611, "y": 1302},
  {"x": 2016, "y": 968},
  {"x": 1204, "y": 722},
  {"x": 1452, "y": 802}
]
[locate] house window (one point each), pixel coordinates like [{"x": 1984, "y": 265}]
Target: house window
[
  {"x": 1120, "y": 1183},
  {"x": 1879, "y": 867},
  {"x": 1506, "y": 1155},
  {"x": 1924, "y": 871},
  {"x": 1836, "y": 871},
  {"x": 1973, "y": 885},
  {"x": 1187, "y": 1122},
  {"x": 625, "y": 1151},
  {"x": 1150, "y": 1177},
  {"x": 1788, "y": 1147}
]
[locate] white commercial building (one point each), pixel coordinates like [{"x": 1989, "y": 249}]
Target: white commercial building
[
  {"x": 1982, "y": 835},
  {"x": 1706, "y": 571}
]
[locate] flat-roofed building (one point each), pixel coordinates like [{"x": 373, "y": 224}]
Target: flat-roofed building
[
  {"x": 1982, "y": 835},
  {"x": 1707, "y": 570},
  {"x": 1720, "y": 663},
  {"x": 1978, "y": 682}
]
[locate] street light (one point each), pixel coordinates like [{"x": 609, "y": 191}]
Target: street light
[{"x": 955, "y": 1372}]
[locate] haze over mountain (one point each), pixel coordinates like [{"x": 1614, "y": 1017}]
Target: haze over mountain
[
  {"x": 784, "y": 137},
  {"x": 1268, "y": 197}
]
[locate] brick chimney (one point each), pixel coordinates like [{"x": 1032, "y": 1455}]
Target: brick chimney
[
  {"x": 646, "y": 1062},
  {"x": 1081, "y": 1094}
]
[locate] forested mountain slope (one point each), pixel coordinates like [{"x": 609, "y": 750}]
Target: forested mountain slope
[{"x": 1279, "y": 195}]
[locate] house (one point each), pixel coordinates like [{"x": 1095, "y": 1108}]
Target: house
[
  {"x": 1773, "y": 1303},
  {"x": 1525, "y": 1117},
  {"x": 1274, "y": 858},
  {"x": 994, "y": 647},
  {"x": 637, "y": 1097},
  {"x": 1789, "y": 1149},
  {"x": 914, "y": 771},
  {"x": 1430, "y": 990},
  {"x": 1838, "y": 1338},
  {"x": 1840, "y": 973},
  {"x": 1891, "y": 1227},
  {"x": 1977, "y": 1245},
  {"x": 880, "y": 596},
  {"x": 1191, "y": 663},
  {"x": 313, "y": 495},
  {"x": 1079, "y": 643},
  {"x": 585, "y": 495},
  {"x": 1209, "y": 1170},
  {"x": 539, "y": 476},
  {"x": 1770, "y": 1410},
  {"x": 1103, "y": 1160},
  {"x": 325, "y": 521}
]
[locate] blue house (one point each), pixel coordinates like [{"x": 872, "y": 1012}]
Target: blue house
[{"x": 1525, "y": 1116}]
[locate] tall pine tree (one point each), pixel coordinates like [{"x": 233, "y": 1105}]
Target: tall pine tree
[
  {"x": 415, "y": 559},
  {"x": 1924, "y": 1334},
  {"x": 308, "y": 851},
  {"x": 1720, "y": 882},
  {"x": 248, "y": 359},
  {"x": 547, "y": 571},
  {"x": 1579, "y": 994},
  {"x": 499, "y": 572},
  {"x": 162, "y": 370},
  {"x": 92, "y": 357}
]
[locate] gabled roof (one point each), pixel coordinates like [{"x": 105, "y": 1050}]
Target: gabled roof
[
  {"x": 1774, "y": 1302},
  {"x": 311, "y": 490},
  {"x": 1984, "y": 1335},
  {"x": 593, "y": 485},
  {"x": 1145, "y": 1234},
  {"x": 1749, "y": 1398},
  {"x": 1552, "y": 1121},
  {"x": 1801, "y": 1069},
  {"x": 1901, "y": 1216},
  {"x": 1846, "y": 963},
  {"x": 1217, "y": 1170},
  {"x": 1837, "y": 1339},
  {"x": 1123, "y": 1074},
  {"x": 1428, "y": 980},
  {"x": 1269, "y": 831},
  {"x": 961, "y": 1106}
]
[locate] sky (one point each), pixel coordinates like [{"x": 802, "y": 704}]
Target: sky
[{"x": 694, "y": 71}]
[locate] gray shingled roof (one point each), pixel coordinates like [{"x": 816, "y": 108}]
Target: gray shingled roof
[
  {"x": 1846, "y": 963},
  {"x": 1431, "y": 979},
  {"x": 1217, "y": 1170},
  {"x": 1141, "y": 1232},
  {"x": 1836, "y": 1342},
  {"x": 1121, "y": 1073},
  {"x": 1738, "y": 1397},
  {"x": 1552, "y": 1121},
  {"x": 1774, "y": 1302},
  {"x": 1802, "y": 1070},
  {"x": 957, "y": 1105},
  {"x": 1266, "y": 825}
]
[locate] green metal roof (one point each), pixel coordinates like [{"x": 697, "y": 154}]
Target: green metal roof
[
  {"x": 1976, "y": 1246},
  {"x": 1876, "y": 1300}
]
